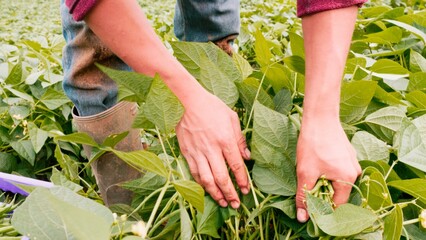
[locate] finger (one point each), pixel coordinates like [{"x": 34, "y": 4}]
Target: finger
[
  {"x": 208, "y": 182},
  {"x": 184, "y": 144},
  {"x": 236, "y": 163},
  {"x": 305, "y": 182},
  {"x": 193, "y": 168},
  {"x": 221, "y": 177},
  {"x": 242, "y": 144},
  {"x": 342, "y": 192}
]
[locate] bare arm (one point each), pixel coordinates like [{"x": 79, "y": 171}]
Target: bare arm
[
  {"x": 209, "y": 132},
  {"x": 323, "y": 148}
]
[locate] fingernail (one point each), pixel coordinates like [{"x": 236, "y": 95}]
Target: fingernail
[
  {"x": 223, "y": 203},
  {"x": 247, "y": 152},
  {"x": 235, "y": 204},
  {"x": 301, "y": 215},
  {"x": 245, "y": 190}
]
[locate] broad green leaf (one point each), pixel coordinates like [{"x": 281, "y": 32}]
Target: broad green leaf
[
  {"x": 417, "y": 62},
  {"x": 279, "y": 76},
  {"x": 411, "y": 146},
  {"x": 385, "y": 97},
  {"x": 368, "y": 147},
  {"x": 274, "y": 139},
  {"x": 185, "y": 223},
  {"x": 25, "y": 149},
  {"x": 262, "y": 50},
  {"x": 8, "y": 162},
  {"x": 385, "y": 122},
  {"x": 139, "y": 84},
  {"x": 418, "y": 98},
  {"x": 210, "y": 220},
  {"x": 248, "y": 94},
  {"x": 37, "y": 136},
  {"x": 353, "y": 63},
  {"x": 191, "y": 192},
  {"x": 15, "y": 75},
  {"x": 347, "y": 220},
  {"x": 387, "y": 66},
  {"x": 287, "y": 206},
  {"x": 60, "y": 180},
  {"x": 283, "y": 101},
  {"x": 66, "y": 163},
  {"x": 141, "y": 121},
  {"x": 145, "y": 185},
  {"x": 217, "y": 81},
  {"x": 280, "y": 180},
  {"x": 295, "y": 63},
  {"x": 417, "y": 81},
  {"x": 374, "y": 188},
  {"x": 59, "y": 213},
  {"x": 297, "y": 44},
  {"x": 393, "y": 224},
  {"x": 143, "y": 160},
  {"x": 420, "y": 123},
  {"x": 414, "y": 187},
  {"x": 18, "y": 113},
  {"x": 54, "y": 99},
  {"x": 354, "y": 100},
  {"x": 317, "y": 206},
  {"x": 162, "y": 107},
  {"x": 243, "y": 65},
  {"x": 409, "y": 28},
  {"x": 20, "y": 94},
  {"x": 190, "y": 54},
  {"x": 80, "y": 138},
  {"x": 387, "y": 36}
]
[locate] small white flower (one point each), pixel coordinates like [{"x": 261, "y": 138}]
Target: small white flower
[
  {"x": 422, "y": 218},
  {"x": 114, "y": 215},
  {"x": 139, "y": 229}
]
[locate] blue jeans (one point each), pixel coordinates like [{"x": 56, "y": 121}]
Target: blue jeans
[{"x": 92, "y": 91}]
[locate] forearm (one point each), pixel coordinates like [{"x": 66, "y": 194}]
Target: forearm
[
  {"x": 124, "y": 28},
  {"x": 327, "y": 38}
]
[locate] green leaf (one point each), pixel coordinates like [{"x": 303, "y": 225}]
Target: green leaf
[
  {"x": 411, "y": 146},
  {"x": 317, "y": 206},
  {"x": 185, "y": 223},
  {"x": 279, "y": 76},
  {"x": 143, "y": 160},
  {"x": 8, "y": 162},
  {"x": 59, "y": 213},
  {"x": 80, "y": 138},
  {"x": 393, "y": 224},
  {"x": 190, "y": 54},
  {"x": 297, "y": 44},
  {"x": 191, "y": 192},
  {"x": 37, "y": 136},
  {"x": 217, "y": 81},
  {"x": 417, "y": 81},
  {"x": 114, "y": 139},
  {"x": 283, "y": 101},
  {"x": 347, "y": 220},
  {"x": 248, "y": 93},
  {"x": 137, "y": 83},
  {"x": 295, "y": 63},
  {"x": 409, "y": 28},
  {"x": 387, "y": 36},
  {"x": 243, "y": 65},
  {"x": 146, "y": 184},
  {"x": 15, "y": 75},
  {"x": 60, "y": 180},
  {"x": 368, "y": 147},
  {"x": 261, "y": 48},
  {"x": 387, "y": 66},
  {"x": 279, "y": 180},
  {"x": 417, "y": 62},
  {"x": 374, "y": 188},
  {"x": 287, "y": 206},
  {"x": 67, "y": 164},
  {"x": 54, "y": 99},
  {"x": 385, "y": 122},
  {"x": 418, "y": 98},
  {"x": 162, "y": 107},
  {"x": 385, "y": 97},
  {"x": 355, "y": 98},
  {"x": 414, "y": 187},
  {"x": 20, "y": 94},
  {"x": 25, "y": 149},
  {"x": 210, "y": 220}
]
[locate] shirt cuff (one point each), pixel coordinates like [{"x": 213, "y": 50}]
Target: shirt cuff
[
  {"x": 306, "y": 7},
  {"x": 78, "y": 9}
]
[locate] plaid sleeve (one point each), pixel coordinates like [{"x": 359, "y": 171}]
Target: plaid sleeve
[
  {"x": 79, "y": 8},
  {"x": 306, "y": 7}
]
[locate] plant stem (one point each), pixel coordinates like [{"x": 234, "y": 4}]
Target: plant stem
[
  {"x": 390, "y": 169},
  {"x": 255, "y": 98},
  {"x": 156, "y": 206},
  {"x": 415, "y": 220}
]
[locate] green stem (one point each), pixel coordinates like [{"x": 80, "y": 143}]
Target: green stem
[
  {"x": 390, "y": 169},
  {"x": 415, "y": 220},
  {"x": 156, "y": 206}
]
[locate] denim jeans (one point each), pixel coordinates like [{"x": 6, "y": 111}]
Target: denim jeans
[{"x": 93, "y": 92}]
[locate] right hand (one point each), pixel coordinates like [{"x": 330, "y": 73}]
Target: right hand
[{"x": 210, "y": 136}]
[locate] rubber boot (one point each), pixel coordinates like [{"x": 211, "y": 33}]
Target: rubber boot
[{"x": 109, "y": 170}]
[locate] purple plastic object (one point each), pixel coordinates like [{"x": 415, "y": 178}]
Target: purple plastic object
[{"x": 8, "y": 181}]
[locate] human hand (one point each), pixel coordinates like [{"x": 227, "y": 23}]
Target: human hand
[
  {"x": 324, "y": 149},
  {"x": 209, "y": 136}
]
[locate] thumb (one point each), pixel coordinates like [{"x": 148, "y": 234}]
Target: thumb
[{"x": 304, "y": 183}]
